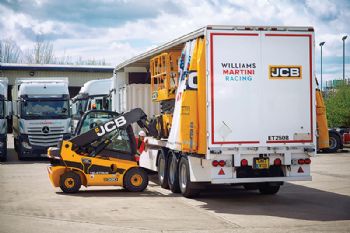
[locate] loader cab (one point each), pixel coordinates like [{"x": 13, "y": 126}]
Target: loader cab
[{"x": 123, "y": 145}]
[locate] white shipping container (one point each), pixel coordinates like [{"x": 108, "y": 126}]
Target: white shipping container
[{"x": 138, "y": 96}]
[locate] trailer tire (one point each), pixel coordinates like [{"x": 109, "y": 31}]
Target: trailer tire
[
  {"x": 162, "y": 169},
  {"x": 70, "y": 182},
  {"x": 173, "y": 177},
  {"x": 135, "y": 180},
  {"x": 184, "y": 180},
  {"x": 334, "y": 142},
  {"x": 267, "y": 189}
]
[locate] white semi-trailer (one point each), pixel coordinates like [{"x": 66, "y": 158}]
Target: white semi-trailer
[
  {"x": 238, "y": 107},
  {"x": 41, "y": 115},
  {"x": 3, "y": 118}
]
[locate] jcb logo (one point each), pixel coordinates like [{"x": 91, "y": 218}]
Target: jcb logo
[
  {"x": 285, "y": 72},
  {"x": 110, "y": 126}
]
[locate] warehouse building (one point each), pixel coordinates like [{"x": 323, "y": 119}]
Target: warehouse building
[{"x": 76, "y": 74}]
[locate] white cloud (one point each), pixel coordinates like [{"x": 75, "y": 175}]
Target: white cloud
[{"x": 117, "y": 43}]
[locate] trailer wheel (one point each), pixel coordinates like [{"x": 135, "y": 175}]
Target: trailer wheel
[
  {"x": 135, "y": 180},
  {"x": 334, "y": 142},
  {"x": 184, "y": 180},
  {"x": 173, "y": 177},
  {"x": 162, "y": 170},
  {"x": 70, "y": 182},
  {"x": 267, "y": 189}
]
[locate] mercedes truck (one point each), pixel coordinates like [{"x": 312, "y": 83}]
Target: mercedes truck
[{"x": 41, "y": 115}]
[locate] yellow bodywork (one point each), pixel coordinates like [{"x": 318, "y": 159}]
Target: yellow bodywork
[
  {"x": 164, "y": 75},
  {"x": 73, "y": 162},
  {"x": 322, "y": 125}
]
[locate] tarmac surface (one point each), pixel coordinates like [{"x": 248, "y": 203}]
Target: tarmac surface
[{"x": 28, "y": 203}]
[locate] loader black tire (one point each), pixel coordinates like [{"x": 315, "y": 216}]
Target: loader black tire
[
  {"x": 163, "y": 171},
  {"x": 135, "y": 180},
  {"x": 70, "y": 182},
  {"x": 334, "y": 142},
  {"x": 186, "y": 185},
  {"x": 173, "y": 177},
  {"x": 267, "y": 189}
]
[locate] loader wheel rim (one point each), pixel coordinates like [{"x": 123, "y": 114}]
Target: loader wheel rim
[
  {"x": 136, "y": 180},
  {"x": 69, "y": 183}
]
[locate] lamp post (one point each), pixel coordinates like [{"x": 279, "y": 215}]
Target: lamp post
[
  {"x": 321, "y": 45},
  {"x": 344, "y": 38}
]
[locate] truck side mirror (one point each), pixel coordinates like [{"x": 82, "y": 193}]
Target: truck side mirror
[
  {"x": 9, "y": 109},
  {"x": 105, "y": 103}
]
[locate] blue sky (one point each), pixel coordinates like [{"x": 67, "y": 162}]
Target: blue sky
[{"x": 115, "y": 30}]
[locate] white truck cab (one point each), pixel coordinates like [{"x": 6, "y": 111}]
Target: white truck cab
[
  {"x": 93, "y": 95},
  {"x": 41, "y": 115}
]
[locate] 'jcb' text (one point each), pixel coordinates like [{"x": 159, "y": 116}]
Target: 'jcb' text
[{"x": 285, "y": 72}]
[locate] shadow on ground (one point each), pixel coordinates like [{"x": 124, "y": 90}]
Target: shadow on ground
[{"x": 293, "y": 201}]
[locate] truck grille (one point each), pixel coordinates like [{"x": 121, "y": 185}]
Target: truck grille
[
  {"x": 38, "y": 130},
  {"x": 38, "y": 138}
]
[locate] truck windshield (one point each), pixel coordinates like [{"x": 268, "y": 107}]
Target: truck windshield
[{"x": 45, "y": 109}]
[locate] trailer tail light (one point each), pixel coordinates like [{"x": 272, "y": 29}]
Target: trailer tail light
[
  {"x": 215, "y": 163},
  {"x": 307, "y": 161},
  {"x": 301, "y": 161},
  {"x": 222, "y": 163},
  {"x": 244, "y": 162},
  {"x": 277, "y": 162}
]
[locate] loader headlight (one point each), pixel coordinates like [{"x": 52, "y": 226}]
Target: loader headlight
[{"x": 26, "y": 145}]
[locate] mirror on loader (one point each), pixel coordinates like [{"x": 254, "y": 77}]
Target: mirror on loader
[{"x": 123, "y": 141}]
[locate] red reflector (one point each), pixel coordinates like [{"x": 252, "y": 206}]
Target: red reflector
[
  {"x": 222, "y": 163},
  {"x": 215, "y": 163},
  {"x": 307, "y": 161},
  {"x": 277, "y": 162},
  {"x": 244, "y": 162},
  {"x": 300, "y": 170},
  {"x": 221, "y": 172},
  {"x": 301, "y": 161}
]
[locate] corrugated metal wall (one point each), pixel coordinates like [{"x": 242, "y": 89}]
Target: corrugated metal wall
[{"x": 138, "y": 96}]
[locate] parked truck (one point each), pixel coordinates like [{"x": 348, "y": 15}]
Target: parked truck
[
  {"x": 3, "y": 118},
  {"x": 94, "y": 94},
  {"x": 237, "y": 107},
  {"x": 41, "y": 115}
]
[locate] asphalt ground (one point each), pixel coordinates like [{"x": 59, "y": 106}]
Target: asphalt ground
[{"x": 28, "y": 203}]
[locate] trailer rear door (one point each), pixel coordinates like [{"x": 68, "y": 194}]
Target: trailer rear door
[{"x": 260, "y": 88}]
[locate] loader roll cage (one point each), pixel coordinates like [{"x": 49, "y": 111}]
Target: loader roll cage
[{"x": 108, "y": 134}]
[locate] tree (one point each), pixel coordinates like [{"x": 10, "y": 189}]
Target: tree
[
  {"x": 338, "y": 106},
  {"x": 10, "y": 52},
  {"x": 42, "y": 53}
]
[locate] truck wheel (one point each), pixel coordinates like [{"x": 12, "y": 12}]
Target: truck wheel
[
  {"x": 162, "y": 170},
  {"x": 135, "y": 180},
  {"x": 70, "y": 182},
  {"x": 267, "y": 189},
  {"x": 173, "y": 177},
  {"x": 184, "y": 180},
  {"x": 334, "y": 142}
]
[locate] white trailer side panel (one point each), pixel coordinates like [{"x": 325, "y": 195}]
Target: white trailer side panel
[{"x": 261, "y": 88}]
